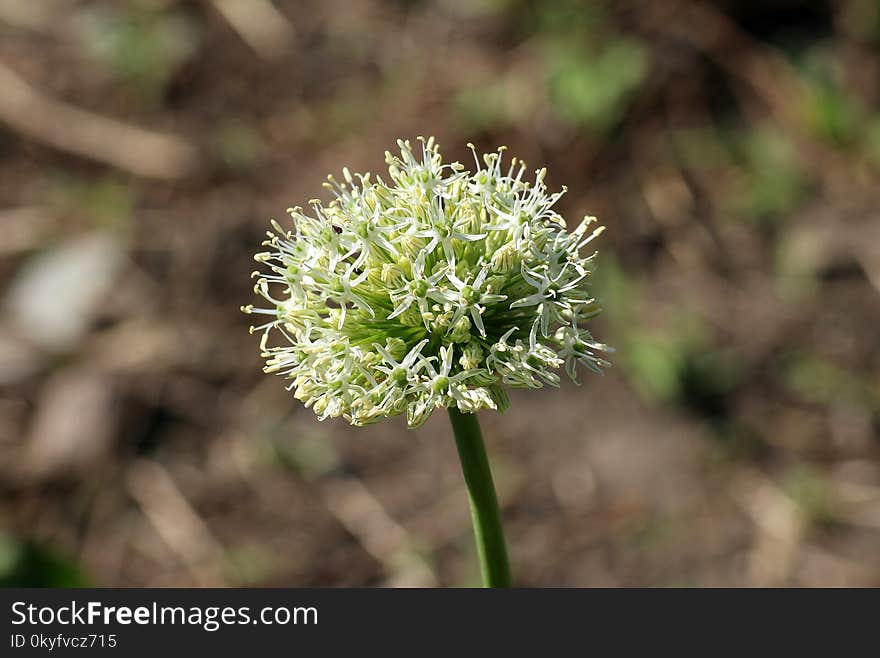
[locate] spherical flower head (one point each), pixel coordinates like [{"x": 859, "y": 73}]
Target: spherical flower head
[{"x": 438, "y": 288}]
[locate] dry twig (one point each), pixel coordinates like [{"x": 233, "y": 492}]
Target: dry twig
[
  {"x": 260, "y": 25},
  {"x": 89, "y": 135},
  {"x": 175, "y": 520}
]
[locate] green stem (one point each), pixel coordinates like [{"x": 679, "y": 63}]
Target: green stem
[{"x": 484, "y": 504}]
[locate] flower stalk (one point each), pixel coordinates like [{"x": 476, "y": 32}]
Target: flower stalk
[
  {"x": 434, "y": 287},
  {"x": 488, "y": 532}
]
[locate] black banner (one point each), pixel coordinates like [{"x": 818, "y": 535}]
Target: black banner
[{"x": 141, "y": 622}]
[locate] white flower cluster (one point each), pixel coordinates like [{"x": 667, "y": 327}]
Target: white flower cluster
[{"x": 436, "y": 289}]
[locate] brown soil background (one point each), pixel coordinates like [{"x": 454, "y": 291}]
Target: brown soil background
[{"x": 732, "y": 150}]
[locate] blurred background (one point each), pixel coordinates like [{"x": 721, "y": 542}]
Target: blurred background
[{"x": 732, "y": 149}]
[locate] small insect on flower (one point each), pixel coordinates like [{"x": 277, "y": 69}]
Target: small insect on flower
[{"x": 436, "y": 289}]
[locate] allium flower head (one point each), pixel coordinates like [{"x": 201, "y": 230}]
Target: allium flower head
[{"x": 437, "y": 288}]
